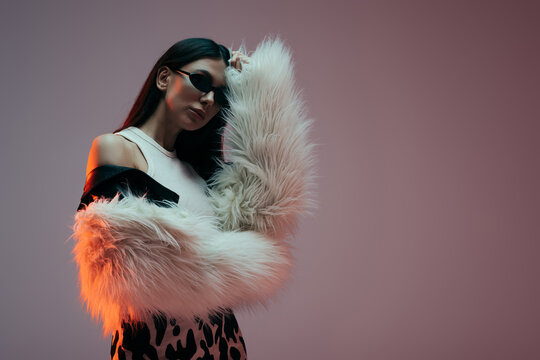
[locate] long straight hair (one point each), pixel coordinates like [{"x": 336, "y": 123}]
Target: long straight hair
[{"x": 202, "y": 147}]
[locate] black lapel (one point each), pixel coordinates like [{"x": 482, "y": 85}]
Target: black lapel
[{"x": 107, "y": 180}]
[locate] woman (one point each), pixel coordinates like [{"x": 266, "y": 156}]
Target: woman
[{"x": 169, "y": 236}]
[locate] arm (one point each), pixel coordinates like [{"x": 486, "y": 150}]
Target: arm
[
  {"x": 138, "y": 254},
  {"x": 270, "y": 178},
  {"x": 108, "y": 149},
  {"x": 136, "y": 258}
]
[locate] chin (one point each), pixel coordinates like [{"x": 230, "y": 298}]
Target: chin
[{"x": 190, "y": 124}]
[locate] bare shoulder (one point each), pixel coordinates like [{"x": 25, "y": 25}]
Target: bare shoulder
[{"x": 109, "y": 149}]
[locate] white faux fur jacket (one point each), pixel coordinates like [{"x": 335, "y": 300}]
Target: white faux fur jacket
[{"x": 136, "y": 258}]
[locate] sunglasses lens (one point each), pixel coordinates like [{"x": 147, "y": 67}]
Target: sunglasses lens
[
  {"x": 201, "y": 82},
  {"x": 204, "y": 84}
]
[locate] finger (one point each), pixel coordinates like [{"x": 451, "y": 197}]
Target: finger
[
  {"x": 236, "y": 64},
  {"x": 239, "y": 57}
]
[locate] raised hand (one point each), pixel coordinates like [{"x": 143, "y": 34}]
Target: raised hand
[{"x": 237, "y": 58}]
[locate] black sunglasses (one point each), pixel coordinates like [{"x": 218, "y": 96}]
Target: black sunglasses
[{"x": 203, "y": 83}]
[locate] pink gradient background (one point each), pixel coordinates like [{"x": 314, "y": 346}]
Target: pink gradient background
[{"x": 426, "y": 243}]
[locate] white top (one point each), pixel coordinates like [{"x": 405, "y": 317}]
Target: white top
[{"x": 171, "y": 172}]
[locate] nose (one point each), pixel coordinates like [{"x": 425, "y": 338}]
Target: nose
[{"x": 208, "y": 97}]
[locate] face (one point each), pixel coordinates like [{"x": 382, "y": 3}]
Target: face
[{"x": 182, "y": 98}]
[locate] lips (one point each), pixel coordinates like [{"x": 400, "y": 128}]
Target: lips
[{"x": 198, "y": 112}]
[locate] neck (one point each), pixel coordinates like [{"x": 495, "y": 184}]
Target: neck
[{"x": 159, "y": 128}]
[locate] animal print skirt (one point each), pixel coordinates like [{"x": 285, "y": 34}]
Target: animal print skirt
[{"x": 212, "y": 337}]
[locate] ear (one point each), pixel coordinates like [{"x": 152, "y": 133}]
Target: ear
[{"x": 162, "y": 78}]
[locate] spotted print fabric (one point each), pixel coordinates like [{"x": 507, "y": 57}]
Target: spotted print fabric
[{"x": 214, "y": 337}]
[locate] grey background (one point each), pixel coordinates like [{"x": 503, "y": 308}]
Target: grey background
[{"x": 426, "y": 242}]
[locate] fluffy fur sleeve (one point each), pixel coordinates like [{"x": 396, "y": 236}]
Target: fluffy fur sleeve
[
  {"x": 270, "y": 178},
  {"x": 136, "y": 259}
]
